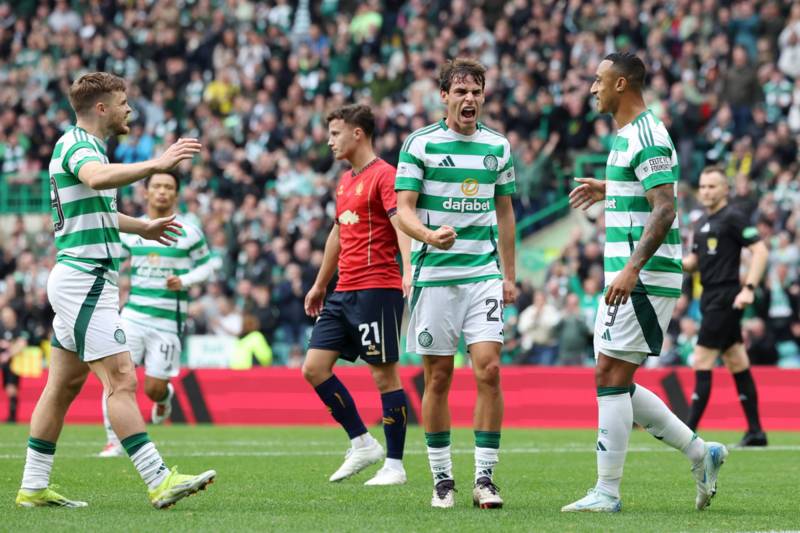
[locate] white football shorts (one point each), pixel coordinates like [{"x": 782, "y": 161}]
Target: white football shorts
[
  {"x": 87, "y": 317},
  {"x": 439, "y": 315},
  {"x": 158, "y": 351},
  {"x": 634, "y": 330}
]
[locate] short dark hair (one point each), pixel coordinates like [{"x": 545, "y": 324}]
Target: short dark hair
[
  {"x": 718, "y": 169},
  {"x": 458, "y": 69},
  {"x": 173, "y": 174},
  {"x": 89, "y": 88},
  {"x": 358, "y": 115},
  {"x": 630, "y": 67}
]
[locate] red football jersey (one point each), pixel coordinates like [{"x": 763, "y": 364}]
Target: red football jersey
[{"x": 364, "y": 204}]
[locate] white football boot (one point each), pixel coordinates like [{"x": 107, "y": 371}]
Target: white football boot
[
  {"x": 706, "y": 471},
  {"x": 357, "y": 459}
]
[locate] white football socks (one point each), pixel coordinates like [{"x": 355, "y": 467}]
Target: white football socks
[
  {"x": 394, "y": 464},
  {"x": 362, "y": 441},
  {"x": 38, "y": 466},
  {"x": 615, "y": 421},
  {"x": 650, "y": 412},
  {"x": 441, "y": 463},
  {"x": 150, "y": 465},
  {"x": 485, "y": 461}
]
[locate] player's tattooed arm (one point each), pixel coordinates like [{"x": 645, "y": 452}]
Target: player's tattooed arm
[{"x": 662, "y": 203}]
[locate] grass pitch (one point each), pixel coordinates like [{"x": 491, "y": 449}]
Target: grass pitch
[{"x": 275, "y": 479}]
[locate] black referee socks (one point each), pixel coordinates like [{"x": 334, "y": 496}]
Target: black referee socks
[
  {"x": 702, "y": 392},
  {"x": 749, "y": 398}
]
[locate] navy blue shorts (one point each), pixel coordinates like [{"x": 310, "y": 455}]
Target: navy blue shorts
[{"x": 364, "y": 323}]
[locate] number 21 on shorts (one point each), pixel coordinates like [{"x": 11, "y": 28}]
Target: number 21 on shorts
[{"x": 364, "y": 328}]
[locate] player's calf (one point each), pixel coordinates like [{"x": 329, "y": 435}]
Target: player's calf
[{"x": 162, "y": 409}]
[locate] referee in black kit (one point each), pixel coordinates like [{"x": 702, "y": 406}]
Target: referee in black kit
[{"x": 719, "y": 238}]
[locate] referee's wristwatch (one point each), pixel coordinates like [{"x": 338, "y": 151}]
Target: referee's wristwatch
[{"x": 750, "y": 286}]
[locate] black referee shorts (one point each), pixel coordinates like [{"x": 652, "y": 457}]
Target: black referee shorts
[{"x": 721, "y": 326}]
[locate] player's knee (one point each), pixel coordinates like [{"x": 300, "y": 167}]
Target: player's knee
[
  {"x": 313, "y": 373},
  {"x": 736, "y": 365},
  {"x": 703, "y": 364},
  {"x": 489, "y": 375},
  {"x": 438, "y": 383},
  {"x": 308, "y": 372},
  {"x": 602, "y": 376},
  {"x": 122, "y": 384}
]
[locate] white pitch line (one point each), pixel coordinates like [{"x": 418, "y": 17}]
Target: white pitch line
[
  {"x": 413, "y": 451},
  {"x": 100, "y": 442}
]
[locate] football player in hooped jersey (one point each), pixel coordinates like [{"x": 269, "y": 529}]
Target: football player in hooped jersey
[
  {"x": 643, "y": 281},
  {"x": 362, "y": 317},
  {"x": 82, "y": 288},
  {"x": 154, "y": 315},
  {"x": 454, "y": 181}
]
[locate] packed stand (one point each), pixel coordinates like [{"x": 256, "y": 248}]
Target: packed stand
[{"x": 254, "y": 81}]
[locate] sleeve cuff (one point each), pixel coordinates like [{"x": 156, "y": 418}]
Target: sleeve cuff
[
  {"x": 83, "y": 162},
  {"x": 407, "y": 184},
  {"x": 505, "y": 189},
  {"x": 658, "y": 179}
]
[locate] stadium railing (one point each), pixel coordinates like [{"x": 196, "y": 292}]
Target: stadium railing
[
  {"x": 588, "y": 165},
  {"x": 24, "y": 195}
]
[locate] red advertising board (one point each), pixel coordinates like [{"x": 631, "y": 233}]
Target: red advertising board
[{"x": 534, "y": 397}]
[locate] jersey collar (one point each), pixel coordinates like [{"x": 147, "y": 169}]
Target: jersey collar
[
  {"x": 461, "y": 136},
  {"x": 99, "y": 141}
]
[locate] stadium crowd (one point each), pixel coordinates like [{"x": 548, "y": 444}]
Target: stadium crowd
[{"x": 254, "y": 81}]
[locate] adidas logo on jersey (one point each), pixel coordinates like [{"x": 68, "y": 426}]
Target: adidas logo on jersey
[
  {"x": 447, "y": 162},
  {"x": 611, "y": 203},
  {"x": 348, "y": 217},
  {"x": 607, "y": 335}
]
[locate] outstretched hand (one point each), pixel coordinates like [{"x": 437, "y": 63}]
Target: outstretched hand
[
  {"x": 589, "y": 192},
  {"x": 177, "y": 152},
  {"x": 163, "y": 230}
]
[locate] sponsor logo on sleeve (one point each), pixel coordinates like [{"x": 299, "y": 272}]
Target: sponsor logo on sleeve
[
  {"x": 660, "y": 164},
  {"x": 654, "y": 165}
]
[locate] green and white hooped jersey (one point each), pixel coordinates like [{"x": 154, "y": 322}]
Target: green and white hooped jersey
[
  {"x": 642, "y": 157},
  {"x": 457, "y": 177},
  {"x": 150, "y": 302},
  {"x": 85, "y": 220}
]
